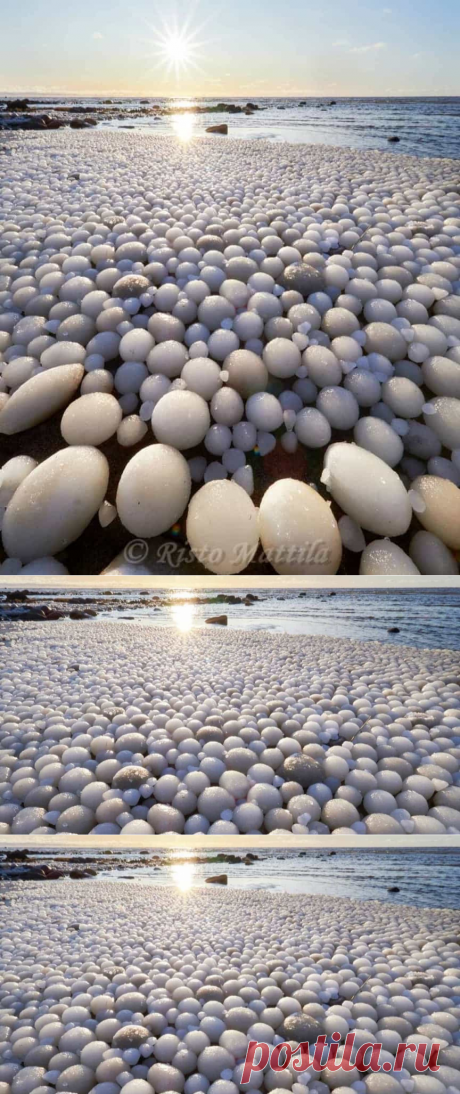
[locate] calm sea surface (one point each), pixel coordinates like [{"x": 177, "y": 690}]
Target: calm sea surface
[
  {"x": 423, "y": 878},
  {"x": 425, "y": 127},
  {"x": 425, "y": 618}
]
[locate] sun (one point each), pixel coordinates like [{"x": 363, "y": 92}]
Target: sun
[{"x": 177, "y": 49}]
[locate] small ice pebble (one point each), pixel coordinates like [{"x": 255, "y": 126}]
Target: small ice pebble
[
  {"x": 351, "y": 534},
  {"x": 14, "y": 472},
  {"x": 379, "y": 437},
  {"x": 153, "y": 490},
  {"x": 442, "y": 415},
  {"x": 439, "y": 508},
  {"x": 367, "y": 489},
  {"x": 91, "y": 419},
  {"x": 222, "y": 527},
  {"x": 107, "y": 513},
  {"x": 298, "y": 531},
  {"x": 45, "y": 567},
  {"x": 430, "y": 554},
  {"x": 131, "y": 431},
  {"x": 382, "y": 556},
  {"x": 55, "y": 503},
  {"x": 40, "y": 397}
]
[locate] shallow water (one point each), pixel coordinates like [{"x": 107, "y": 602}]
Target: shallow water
[
  {"x": 425, "y": 618},
  {"x": 425, "y": 879},
  {"x": 425, "y": 126}
]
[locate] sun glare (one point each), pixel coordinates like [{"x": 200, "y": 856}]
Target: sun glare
[
  {"x": 184, "y": 126},
  {"x": 183, "y": 614},
  {"x": 183, "y": 874},
  {"x": 177, "y": 49}
]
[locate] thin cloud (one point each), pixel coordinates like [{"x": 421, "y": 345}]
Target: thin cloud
[
  {"x": 97, "y": 36},
  {"x": 387, "y": 11},
  {"x": 368, "y": 49}
]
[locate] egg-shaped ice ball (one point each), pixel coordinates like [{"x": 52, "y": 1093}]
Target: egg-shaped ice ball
[
  {"x": 264, "y": 411},
  {"x": 153, "y": 490},
  {"x": 222, "y": 527},
  {"x": 298, "y": 531},
  {"x": 367, "y": 489},
  {"x": 91, "y": 419},
  {"x": 438, "y": 508},
  {"x": 181, "y": 419},
  {"x": 247, "y": 372}
]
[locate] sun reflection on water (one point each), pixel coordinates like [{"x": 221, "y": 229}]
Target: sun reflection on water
[
  {"x": 183, "y": 874},
  {"x": 183, "y": 126},
  {"x": 183, "y": 616}
]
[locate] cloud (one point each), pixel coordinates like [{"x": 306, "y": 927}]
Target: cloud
[
  {"x": 342, "y": 42},
  {"x": 387, "y": 11},
  {"x": 368, "y": 49},
  {"x": 97, "y": 36}
]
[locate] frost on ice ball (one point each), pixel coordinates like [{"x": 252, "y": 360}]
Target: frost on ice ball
[
  {"x": 298, "y": 530},
  {"x": 438, "y": 508},
  {"x": 222, "y": 527},
  {"x": 91, "y": 419},
  {"x": 367, "y": 489},
  {"x": 153, "y": 490},
  {"x": 180, "y": 419},
  {"x": 40, "y": 397},
  {"x": 55, "y": 503},
  {"x": 382, "y": 556}
]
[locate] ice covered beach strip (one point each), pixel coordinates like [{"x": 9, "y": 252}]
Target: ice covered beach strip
[
  {"x": 114, "y": 728},
  {"x": 213, "y": 304},
  {"x": 108, "y": 987}
]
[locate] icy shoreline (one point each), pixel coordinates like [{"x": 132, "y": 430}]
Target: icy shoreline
[{"x": 110, "y": 729}]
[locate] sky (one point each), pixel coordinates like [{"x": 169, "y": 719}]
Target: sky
[{"x": 230, "y": 48}]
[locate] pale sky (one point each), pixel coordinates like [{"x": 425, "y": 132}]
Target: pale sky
[{"x": 231, "y": 47}]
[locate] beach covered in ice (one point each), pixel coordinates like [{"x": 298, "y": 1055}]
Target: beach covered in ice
[
  {"x": 256, "y": 346},
  {"x": 109, "y": 728},
  {"x": 106, "y": 987}
]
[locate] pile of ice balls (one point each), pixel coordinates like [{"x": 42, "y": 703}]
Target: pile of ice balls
[
  {"x": 114, "y": 729},
  {"x": 109, "y": 987},
  {"x": 208, "y": 303}
]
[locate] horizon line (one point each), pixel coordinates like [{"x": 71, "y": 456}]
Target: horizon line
[{"x": 257, "y": 98}]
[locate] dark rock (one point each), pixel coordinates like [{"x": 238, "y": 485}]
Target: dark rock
[
  {"x": 303, "y": 278},
  {"x": 394, "y": 889},
  {"x": 220, "y": 620},
  {"x": 302, "y": 769},
  {"x": 16, "y": 594},
  {"x": 223, "y": 129},
  {"x": 393, "y": 630},
  {"x": 219, "y": 879},
  {"x": 252, "y": 106},
  {"x": 332, "y": 102},
  {"x": 301, "y": 1027},
  {"x": 82, "y": 123},
  {"x": 18, "y": 104},
  {"x": 393, "y": 140}
]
